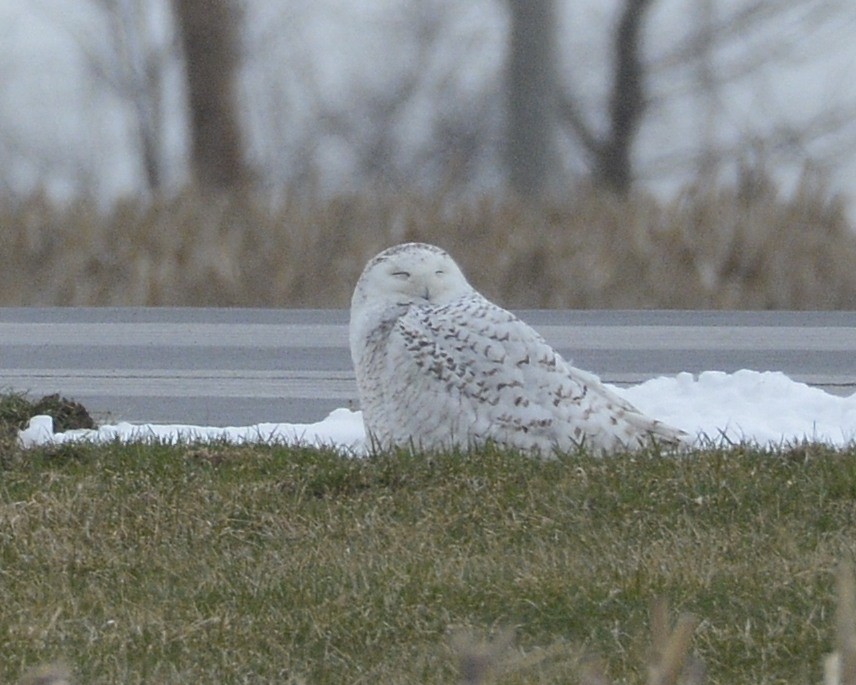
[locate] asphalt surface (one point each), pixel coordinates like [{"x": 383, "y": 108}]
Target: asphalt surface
[{"x": 244, "y": 366}]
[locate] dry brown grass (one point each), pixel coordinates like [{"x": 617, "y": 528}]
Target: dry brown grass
[
  {"x": 670, "y": 659},
  {"x": 713, "y": 247}
]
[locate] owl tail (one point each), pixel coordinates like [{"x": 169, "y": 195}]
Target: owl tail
[{"x": 659, "y": 432}]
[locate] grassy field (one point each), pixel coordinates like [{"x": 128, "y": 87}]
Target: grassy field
[
  {"x": 746, "y": 246},
  {"x": 192, "y": 564}
]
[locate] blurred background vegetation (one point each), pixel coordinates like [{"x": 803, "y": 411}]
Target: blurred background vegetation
[{"x": 569, "y": 154}]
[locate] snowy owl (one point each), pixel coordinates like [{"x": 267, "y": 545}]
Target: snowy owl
[{"x": 439, "y": 366}]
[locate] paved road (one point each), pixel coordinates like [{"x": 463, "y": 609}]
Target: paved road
[{"x": 244, "y": 366}]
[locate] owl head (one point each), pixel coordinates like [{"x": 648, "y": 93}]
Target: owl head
[{"x": 410, "y": 273}]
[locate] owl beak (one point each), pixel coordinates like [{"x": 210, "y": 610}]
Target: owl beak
[{"x": 427, "y": 294}]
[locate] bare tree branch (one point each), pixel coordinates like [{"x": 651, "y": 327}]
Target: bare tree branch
[{"x": 611, "y": 152}]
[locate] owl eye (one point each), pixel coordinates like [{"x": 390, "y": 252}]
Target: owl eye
[{"x": 403, "y": 275}]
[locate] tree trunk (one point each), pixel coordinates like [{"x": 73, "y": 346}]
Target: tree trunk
[
  {"x": 530, "y": 88},
  {"x": 209, "y": 39},
  {"x": 614, "y": 167}
]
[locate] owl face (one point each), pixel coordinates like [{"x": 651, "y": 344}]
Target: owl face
[{"x": 410, "y": 273}]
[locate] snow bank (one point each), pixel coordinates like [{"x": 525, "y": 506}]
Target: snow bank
[{"x": 764, "y": 408}]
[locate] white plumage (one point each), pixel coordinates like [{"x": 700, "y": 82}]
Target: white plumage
[{"x": 439, "y": 366}]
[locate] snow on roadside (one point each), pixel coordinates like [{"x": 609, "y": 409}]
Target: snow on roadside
[
  {"x": 763, "y": 408},
  {"x": 341, "y": 429}
]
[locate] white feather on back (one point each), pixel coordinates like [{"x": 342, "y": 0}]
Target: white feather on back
[{"x": 439, "y": 366}]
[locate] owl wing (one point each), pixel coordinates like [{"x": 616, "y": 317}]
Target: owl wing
[{"x": 478, "y": 373}]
